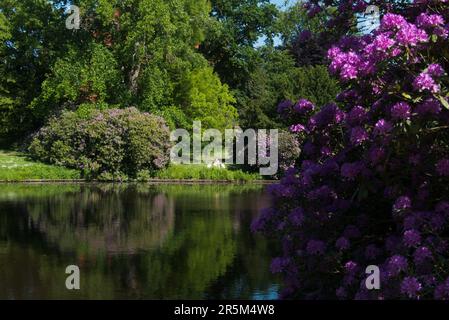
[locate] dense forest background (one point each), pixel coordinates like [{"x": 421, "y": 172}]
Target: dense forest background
[{"x": 224, "y": 62}]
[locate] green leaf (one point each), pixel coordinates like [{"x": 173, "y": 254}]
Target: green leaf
[
  {"x": 406, "y": 95},
  {"x": 444, "y": 102}
]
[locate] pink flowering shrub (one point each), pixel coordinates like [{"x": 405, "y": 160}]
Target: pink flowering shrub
[
  {"x": 110, "y": 144},
  {"x": 372, "y": 186},
  {"x": 288, "y": 152}
]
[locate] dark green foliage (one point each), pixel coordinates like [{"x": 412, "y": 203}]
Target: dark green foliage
[
  {"x": 271, "y": 82},
  {"x": 182, "y": 60},
  {"x": 7, "y": 103},
  {"x": 261, "y": 77},
  {"x": 89, "y": 77},
  {"x": 32, "y": 37},
  {"x": 126, "y": 53},
  {"x": 276, "y": 79},
  {"x": 230, "y": 41},
  {"x": 175, "y": 117},
  {"x": 297, "y": 30},
  {"x": 317, "y": 85},
  {"x": 105, "y": 144}
]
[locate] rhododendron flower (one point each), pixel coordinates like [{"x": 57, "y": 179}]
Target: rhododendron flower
[
  {"x": 425, "y": 20},
  {"x": 421, "y": 255},
  {"x": 410, "y": 286},
  {"x": 351, "y": 267},
  {"x": 316, "y": 247},
  {"x": 410, "y": 35},
  {"x": 358, "y": 136},
  {"x": 442, "y": 291},
  {"x": 430, "y": 106},
  {"x": 351, "y": 170},
  {"x": 412, "y": 238},
  {"x": 297, "y": 216},
  {"x": 396, "y": 264},
  {"x": 356, "y": 116},
  {"x": 435, "y": 70},
  {"x": 342, "y": 243},
  {"x": 382, "y": 127},
  {"x": 376, "y": 154},
  {"x": 402, "y": 203},
  {"x": 392, "y": 21},
  {"x": 305, "y": 35},
  {"x": 425, "y": 82},
  {"x": 297, "y": 128},
  {"x": 401, "y": 111},
  {"x": 383, "y": 42},
  {"x": 278, "y": 265},
  {"x": 284, "y": 106},
  {"x": 303, "y": 106},
  {"x": 372, "y": 178}
]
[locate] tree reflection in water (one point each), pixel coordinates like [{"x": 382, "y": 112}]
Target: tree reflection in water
[{"x": 132, "y": 241}]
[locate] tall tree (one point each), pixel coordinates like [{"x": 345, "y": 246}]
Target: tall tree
[
  {"x": 6, "y": 98},
  {"x": 32, "y": 38},
  {"x": 239, "y": 25},
  {"x": 129, "y": 52}
]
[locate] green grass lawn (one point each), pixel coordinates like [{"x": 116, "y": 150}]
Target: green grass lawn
[
  {"x": 202, "y": 172},
  {"x": 16, "y": 167}
]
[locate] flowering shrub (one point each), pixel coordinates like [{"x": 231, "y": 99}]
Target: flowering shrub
[
  {"x": 288, "y": 152},
  {"x": 108, "y": 144},
  {"x": 372, "y": 187}
]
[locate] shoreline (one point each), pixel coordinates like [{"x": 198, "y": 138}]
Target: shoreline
[{"x": 151, "y": 181}]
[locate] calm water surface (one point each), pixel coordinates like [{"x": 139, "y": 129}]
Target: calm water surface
[{"x": 133, "y": 241}]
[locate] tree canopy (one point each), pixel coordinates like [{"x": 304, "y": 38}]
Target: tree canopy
[{"x": 185, "y": 60}]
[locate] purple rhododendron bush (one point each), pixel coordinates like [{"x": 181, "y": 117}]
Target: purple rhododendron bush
[
  {"x": 372, "y": 183},
  {"x": 112, "y": 144}
]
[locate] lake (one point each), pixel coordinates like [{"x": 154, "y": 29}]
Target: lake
[{"x": 134, "y": 241}]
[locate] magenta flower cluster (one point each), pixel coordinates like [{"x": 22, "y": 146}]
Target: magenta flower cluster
[{"x": 372, "y": 184}]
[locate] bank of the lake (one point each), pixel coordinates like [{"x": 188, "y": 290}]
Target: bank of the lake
[{"x": 15, "y": 166}]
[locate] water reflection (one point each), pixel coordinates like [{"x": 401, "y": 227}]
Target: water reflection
[{"x": 133, "y": 241}]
